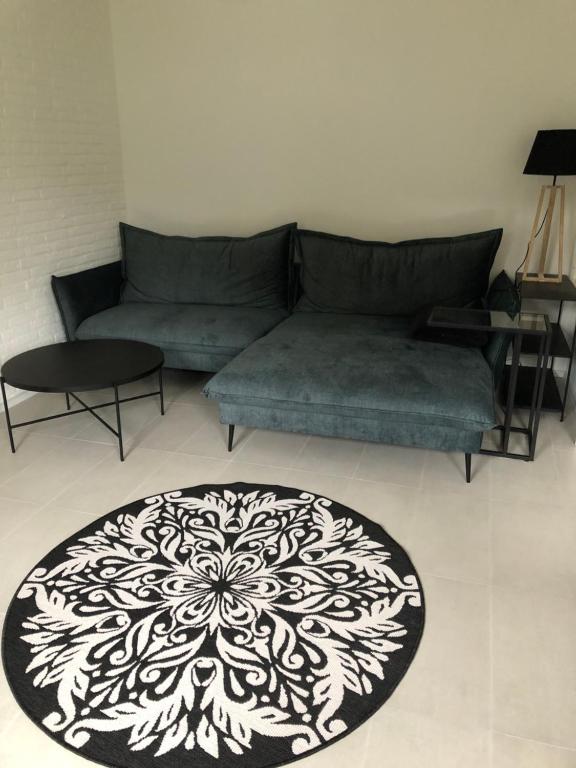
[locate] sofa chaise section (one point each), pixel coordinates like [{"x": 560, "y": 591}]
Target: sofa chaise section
[
  {"x": 350, "y": 363},
  {"x": 364, "y": 379}
]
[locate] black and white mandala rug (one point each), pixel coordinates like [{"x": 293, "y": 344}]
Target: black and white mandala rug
[{"x": 216, "y": 626}]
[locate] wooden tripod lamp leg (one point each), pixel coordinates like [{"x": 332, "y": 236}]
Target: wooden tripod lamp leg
[
  {"x": 541, "y": 276},
  {"x": 547, "y": 228},
  {"x": 561, "y": 231},
  {"x": 533, "y": 233}
]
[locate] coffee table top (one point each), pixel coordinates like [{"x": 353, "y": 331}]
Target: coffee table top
[{"x": 80, "y": 366}]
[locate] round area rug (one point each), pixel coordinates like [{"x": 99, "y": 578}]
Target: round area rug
[{"x": 222, "y": 625}]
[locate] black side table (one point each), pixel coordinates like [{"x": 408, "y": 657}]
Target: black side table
[
  {"x": 520, "y": 327},
  {"x": 555, "y": 396},
  {"x": 82, "y": 366}
]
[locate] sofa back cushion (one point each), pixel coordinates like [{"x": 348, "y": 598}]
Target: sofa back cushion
[
  {"x": 233, "y": 271},
  {"x": 346, "y": 275}
]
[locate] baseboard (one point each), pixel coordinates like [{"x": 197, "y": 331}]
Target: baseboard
[{"x": 19, "y": 397}]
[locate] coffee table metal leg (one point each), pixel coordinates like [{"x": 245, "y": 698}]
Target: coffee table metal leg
[
  {"x": 7, "y": 414},
  {"x": 161, "y": 383},
  {"x": 119, "y": 423},
  {"x": 67, "y": 401}
]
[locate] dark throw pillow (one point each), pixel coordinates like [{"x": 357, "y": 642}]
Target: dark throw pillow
[{"x": 503, "y": 296}]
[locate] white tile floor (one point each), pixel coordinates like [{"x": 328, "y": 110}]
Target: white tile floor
[{"x": 494, "y": 681}]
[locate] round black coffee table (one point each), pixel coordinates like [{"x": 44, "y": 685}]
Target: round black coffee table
[{"x": 82, "y": 366}]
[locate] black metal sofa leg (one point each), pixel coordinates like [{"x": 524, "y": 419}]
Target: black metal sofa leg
[
  {"x": 468, "y": 460},
  {"x": 230, "y": 437}
]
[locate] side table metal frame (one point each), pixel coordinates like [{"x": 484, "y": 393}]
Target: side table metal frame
[
  {"x": 562, "y": 292},
  {"x": 570, "y": 364},
  {"x": 85, "y": 407},
  {"x": 531, "y": 431},
  {"x": 506, "y": 429}
]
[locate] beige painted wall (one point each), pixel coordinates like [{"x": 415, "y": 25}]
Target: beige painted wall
[{"x": 374, "y": 118}]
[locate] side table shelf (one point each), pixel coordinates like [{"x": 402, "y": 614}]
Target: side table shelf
[
  {"x": 551, "y": 398},
  {"x": 561, "y": 348}
]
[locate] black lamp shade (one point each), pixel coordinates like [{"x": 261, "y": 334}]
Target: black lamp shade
[{"x": 553, "y": 154}]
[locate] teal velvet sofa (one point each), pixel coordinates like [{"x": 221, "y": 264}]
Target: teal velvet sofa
[{"x": 305, "y": 331}]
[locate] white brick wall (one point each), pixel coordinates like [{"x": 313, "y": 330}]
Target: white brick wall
[{"x": 61, "y": 190}]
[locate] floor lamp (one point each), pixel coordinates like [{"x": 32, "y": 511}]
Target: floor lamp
[{"x": 553, "y": 154}]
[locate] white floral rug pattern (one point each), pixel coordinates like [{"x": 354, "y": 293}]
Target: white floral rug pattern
[{"x": 236, "y": 625}]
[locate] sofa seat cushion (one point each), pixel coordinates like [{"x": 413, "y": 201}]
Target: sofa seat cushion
[
  {"x": 189, "y": 327},
  {"x": 360, "y": 371}
]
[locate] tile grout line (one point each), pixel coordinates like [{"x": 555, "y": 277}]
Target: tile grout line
[
  {"x": 300, "y": 452},
  {"x": 4, "y": 730},
  {"x": 62, "y": 488},
  {"x": 277, "y": 466},
  {"x": 136, "y": 491},
  {"x": 357, "y": 469},
  {"x": 534, "y": 741},
  {"x": 454, "y": 580},
  {"x": 420, "y": 486},
  {"x": 353, "y": 476},
  {"x": 128, "y": 438},
  {"x": 34, "y": 515},
  {"x": 367, "y": 740},
  {"x": 129, "y": 441}
]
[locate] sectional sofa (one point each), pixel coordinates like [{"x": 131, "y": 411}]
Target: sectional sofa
[{"x": 308, "y": 332}]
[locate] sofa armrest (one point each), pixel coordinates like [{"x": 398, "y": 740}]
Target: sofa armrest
[{"x": 86, "y": 293}]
